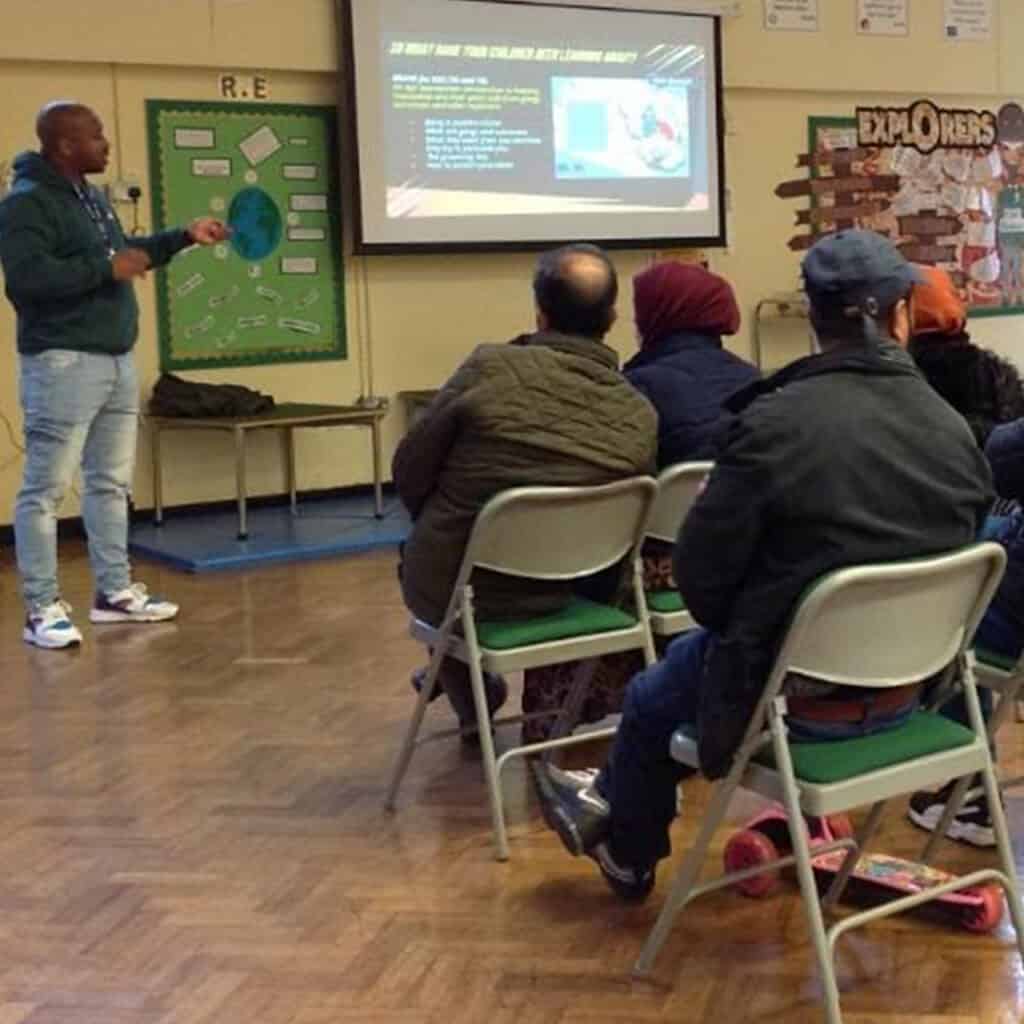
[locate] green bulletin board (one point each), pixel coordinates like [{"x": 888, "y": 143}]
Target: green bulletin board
[{"x": 275, "y": 291}]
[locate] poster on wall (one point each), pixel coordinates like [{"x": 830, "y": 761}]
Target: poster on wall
[
  {"x": 791, "y": 15},
  {"x": 946, "y": 185},
  {"x": 968, "y": 20},
  {"x": 883, "y": 17},
  {"x": 273, "y": 293}
]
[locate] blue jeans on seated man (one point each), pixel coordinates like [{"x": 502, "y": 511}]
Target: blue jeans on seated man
[
  {"x": 640, "y": 778},
  {"x": 80, "y": 408}
]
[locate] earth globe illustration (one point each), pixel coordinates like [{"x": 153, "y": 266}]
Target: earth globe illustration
[{"x": 255, "y": 223}]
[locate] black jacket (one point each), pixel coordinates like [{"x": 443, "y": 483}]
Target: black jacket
[
  {"x": 838, "y": 459},
  {"x": 982, "y": 386},
  {"x": 687, "y": 377}
]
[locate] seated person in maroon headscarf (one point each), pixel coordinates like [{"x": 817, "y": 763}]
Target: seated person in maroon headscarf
[{"x": 682, "y": 311}]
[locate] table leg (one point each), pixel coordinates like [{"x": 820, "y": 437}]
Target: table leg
[
  {"x": 158, "y": 475},
  {"x": 243, "y": 531},
  {"x": 289, "y": 462},
  {"x": 378, "y": 494}
]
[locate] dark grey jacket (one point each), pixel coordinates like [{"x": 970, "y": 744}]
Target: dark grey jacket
[{"x": 839, "y": 459}]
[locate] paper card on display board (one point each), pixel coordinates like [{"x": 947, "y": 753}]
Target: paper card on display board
[
  {"x": 968, "y": 20},
  {"x": 791, "y": 15},
  {"x": 883, "y": 17}
]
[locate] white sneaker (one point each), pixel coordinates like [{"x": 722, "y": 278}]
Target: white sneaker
[
  {"x": 51, "y": 627},
  {"x": 133, "y": 604}
]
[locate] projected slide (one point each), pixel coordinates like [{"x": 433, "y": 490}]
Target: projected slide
[{"x": 480, "y": 122}]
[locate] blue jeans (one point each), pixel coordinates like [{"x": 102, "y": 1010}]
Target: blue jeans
[
  {"x": 80, "y": 408},
  {"x": 640, "y": 778}
]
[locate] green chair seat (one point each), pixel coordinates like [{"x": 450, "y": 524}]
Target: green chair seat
[
  {"x": 839, "y": 760},
  {"x": 665, "y": 601},
  {"x": 1000, "y": 661},
  {"x": 580, "y": 618}
]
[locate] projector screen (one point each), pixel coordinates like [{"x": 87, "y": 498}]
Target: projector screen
[{"x": 496, "y": 124}]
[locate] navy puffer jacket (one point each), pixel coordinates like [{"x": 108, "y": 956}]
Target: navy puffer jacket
[{"x": 687, "y": 377}]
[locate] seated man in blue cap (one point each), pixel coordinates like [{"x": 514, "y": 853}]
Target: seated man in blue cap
[{"x": 844, "y": 457}]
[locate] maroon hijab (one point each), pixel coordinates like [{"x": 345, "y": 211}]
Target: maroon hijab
[{"x": 673, "y": 297}]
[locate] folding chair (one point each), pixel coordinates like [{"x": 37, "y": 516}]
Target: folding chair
[
  {"x": 678, "y": 487},
  {"x": 854, "y": 628},
  {"x": 544, "y": 533},
  {"x": 1005, "y": 677}
]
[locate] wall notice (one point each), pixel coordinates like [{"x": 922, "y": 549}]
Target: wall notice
[
  {"x": 968, "y": 20},
  {"x": 791, "y": 15},
  {"x": 882, "y": 17}
]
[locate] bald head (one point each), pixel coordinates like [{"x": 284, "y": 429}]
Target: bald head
[
  {"x": 57, "y": 120},
  {"x": 575, "y": 288},
  {"x": 71, "y": 137}
]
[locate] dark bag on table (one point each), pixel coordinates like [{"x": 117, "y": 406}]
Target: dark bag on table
[{"x": 173, "y": 396}]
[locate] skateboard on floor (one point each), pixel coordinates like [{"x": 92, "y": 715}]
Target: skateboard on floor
[{"x": 876, "y": 879}]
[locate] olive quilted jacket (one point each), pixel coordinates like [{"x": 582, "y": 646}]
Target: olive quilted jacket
[{"x": 549, "y": 409}]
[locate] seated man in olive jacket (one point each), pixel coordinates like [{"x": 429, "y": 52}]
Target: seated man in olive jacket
[
  {"x": 841, "y": 458},
  {"x": 550, "y": 409}
]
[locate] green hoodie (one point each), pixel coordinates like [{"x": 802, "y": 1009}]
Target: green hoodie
[{"x": 57, "y": 268}]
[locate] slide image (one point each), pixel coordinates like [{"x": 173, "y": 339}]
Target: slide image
[{"x": 615, "y": 128}]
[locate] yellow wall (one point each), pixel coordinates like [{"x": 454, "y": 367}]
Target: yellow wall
[{"x": 425, "y": 312}]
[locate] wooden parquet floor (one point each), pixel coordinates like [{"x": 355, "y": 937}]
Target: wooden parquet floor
[{"x": 192, "y": 833}]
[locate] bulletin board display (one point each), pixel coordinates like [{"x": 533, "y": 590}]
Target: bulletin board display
[
  {"x": 959, "y": 207},
  {"x": 274, "y": 292}
]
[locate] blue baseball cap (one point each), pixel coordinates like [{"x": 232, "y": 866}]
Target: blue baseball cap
[{"x": 854, "y": 273}]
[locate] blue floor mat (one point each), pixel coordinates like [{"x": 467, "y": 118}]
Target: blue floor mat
[{"x": 323, "y": 528}]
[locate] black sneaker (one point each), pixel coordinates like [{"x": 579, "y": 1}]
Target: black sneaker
[
  {"x": 629, "y": 884},
  {"x": 973, "y": 823},
  {"x": 573, "y": 807}
]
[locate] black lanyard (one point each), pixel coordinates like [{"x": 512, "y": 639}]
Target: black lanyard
[{"x": 97, "y": 214}]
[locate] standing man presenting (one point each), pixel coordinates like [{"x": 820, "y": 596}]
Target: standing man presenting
[{"x": 68, "y": 271}]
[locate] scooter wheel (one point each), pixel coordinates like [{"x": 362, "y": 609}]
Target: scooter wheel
[
  {"x": 747, "y": 849},
  {"x": 987, "y": 916},
  {"x": 840, "y": 826}
]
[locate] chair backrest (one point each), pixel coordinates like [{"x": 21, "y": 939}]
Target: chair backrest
[
  {"x": 560, "y": 533},
  {"x": 678, "y": 487},
  {"x": 891, "y": 624}
]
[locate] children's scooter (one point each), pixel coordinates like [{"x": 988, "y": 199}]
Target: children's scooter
[{"x": 876, "y": 878}]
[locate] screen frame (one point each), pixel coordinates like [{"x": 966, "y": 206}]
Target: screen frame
[{"x": 351, "y": 161}]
